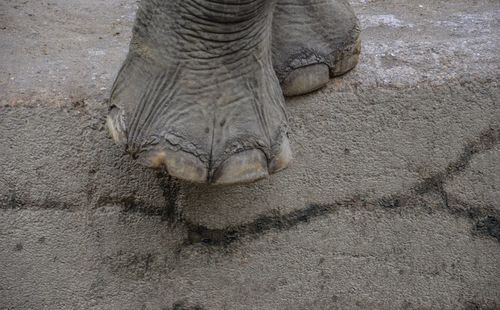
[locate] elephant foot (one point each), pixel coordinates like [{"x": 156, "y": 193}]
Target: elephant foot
[
  {"x": 312, "y": 42},
  {"x": 197, "y": 94}
]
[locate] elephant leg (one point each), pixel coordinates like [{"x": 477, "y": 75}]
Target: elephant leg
[
  {"x": 197, "y": 94},
  {"x": 313, "y": 40}
]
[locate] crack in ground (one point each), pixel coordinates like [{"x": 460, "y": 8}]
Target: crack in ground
[
  {"x": 487, "y": 219},
  {"x": 170, "y": 190}
]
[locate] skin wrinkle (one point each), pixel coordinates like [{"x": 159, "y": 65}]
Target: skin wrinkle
[{"x": 235, "y": 44}]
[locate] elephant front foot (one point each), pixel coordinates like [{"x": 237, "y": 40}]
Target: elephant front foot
[
  {"x": 312, "y": 42},
  {"x": 198, "y": 96}
]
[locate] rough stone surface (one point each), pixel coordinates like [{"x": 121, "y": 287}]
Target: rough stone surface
[{"x": 392, "y": 200}]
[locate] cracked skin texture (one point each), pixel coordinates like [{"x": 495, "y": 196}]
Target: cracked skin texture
[{"x": 198, "y": 94}]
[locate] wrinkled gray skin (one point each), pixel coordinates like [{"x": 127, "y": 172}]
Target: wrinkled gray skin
[{"x": 200, "y": 93}]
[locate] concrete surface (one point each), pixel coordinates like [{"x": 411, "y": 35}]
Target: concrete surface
[{"x": 392, "y": 202}]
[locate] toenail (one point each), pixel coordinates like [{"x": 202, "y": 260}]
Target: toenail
[{"x": 306, "y": 79}]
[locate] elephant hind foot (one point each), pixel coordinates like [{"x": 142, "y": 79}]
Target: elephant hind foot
[{"x": 313, "y": 41}]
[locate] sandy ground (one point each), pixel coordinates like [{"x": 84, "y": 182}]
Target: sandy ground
[{"x": 392, "y": 201}]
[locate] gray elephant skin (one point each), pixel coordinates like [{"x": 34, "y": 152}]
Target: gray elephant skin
[{"x": 201, "y": 92}]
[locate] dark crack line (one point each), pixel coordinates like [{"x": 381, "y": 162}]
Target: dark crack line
[
  {"x": 487, "y": 219},
  {"x": 434, "y": 184},
  {"x": 170, "y": 188}
]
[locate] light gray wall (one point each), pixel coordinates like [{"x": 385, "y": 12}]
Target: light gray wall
[{"x": 392, "y": 201}]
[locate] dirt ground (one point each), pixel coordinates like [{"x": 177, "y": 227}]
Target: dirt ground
[{"x": 392, "y": 201}]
